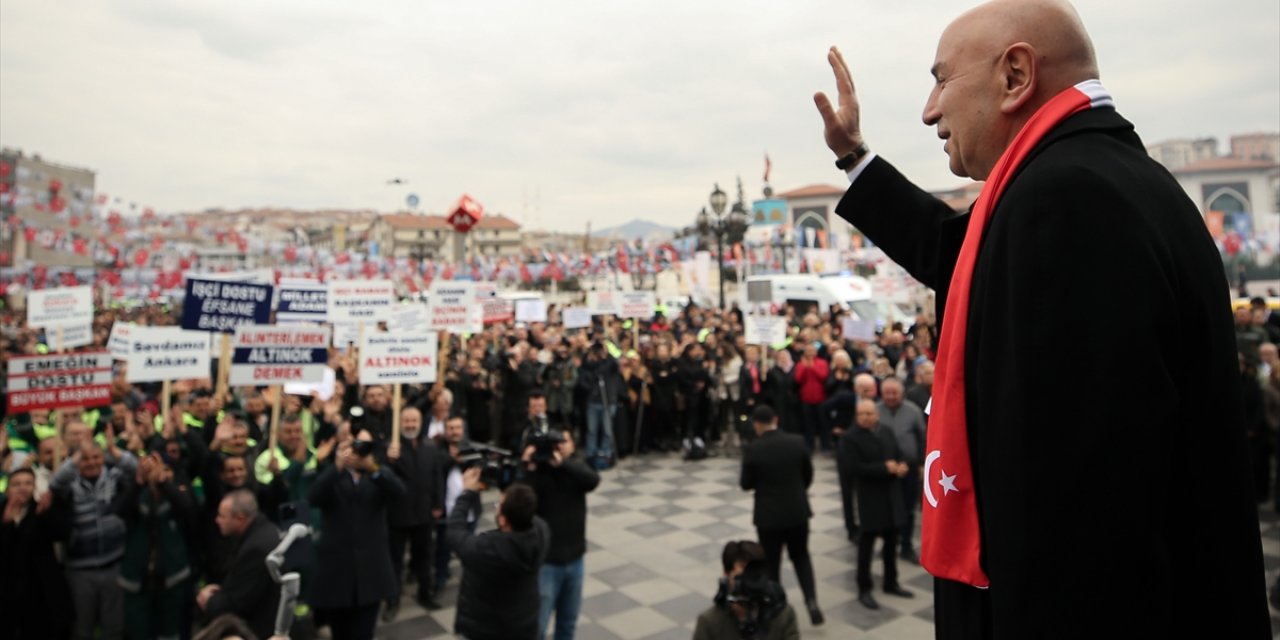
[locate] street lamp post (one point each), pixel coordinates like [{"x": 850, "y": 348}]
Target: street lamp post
[{"x": 736, "y": 222}]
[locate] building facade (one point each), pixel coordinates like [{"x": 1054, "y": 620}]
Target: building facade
[{"x": 51, "y": 201}]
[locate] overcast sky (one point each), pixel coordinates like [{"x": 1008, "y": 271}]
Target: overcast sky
[{"x": 552, "y": 112}]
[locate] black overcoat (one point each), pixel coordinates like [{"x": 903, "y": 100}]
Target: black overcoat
[
  {"x": 779, "y": 468},
  {"x": 861, "y": 456},
  {"x": 1132, "y": 508},
  {"x": 353, "y": 562}
]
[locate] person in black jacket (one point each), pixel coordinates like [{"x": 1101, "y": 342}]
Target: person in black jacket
[
  {"x": 695, "y": 382},
  {"x": 498, "y": 598},
  {"x": 600, "y": 380},
  {"x": 779, "y": 468},
  {"x": 411, "y": 518},
  {"x": 353, "y": 563},
  {"x": 870, "y": 454},
  {"x": 751, "y": 386},
  {"x": 35, "y": 602},
  {"x": 248, "y": 590},
  {"x": 781, "y": 393},
  {"x": 561, "y": 484},
  {"x": 666, "y": 421}
]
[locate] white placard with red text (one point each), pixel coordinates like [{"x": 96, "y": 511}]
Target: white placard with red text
[
  {"x": 276, "y": 354},
  {"x": 60, "y": 380},
  {"x": 396, "y": 358},
  {"x": 451, "y": 306},
  {"x": 367, "y": 301}
]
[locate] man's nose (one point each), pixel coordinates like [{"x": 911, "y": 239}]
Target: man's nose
[{"x": 931, "y": 113}]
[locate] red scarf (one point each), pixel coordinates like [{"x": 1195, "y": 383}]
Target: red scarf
[{"x": 950, "y": 539}]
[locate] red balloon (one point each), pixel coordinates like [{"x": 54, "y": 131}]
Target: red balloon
[
  {"x": 291, "y": 253},
  {"x": 30, "y": 234},
  {"x": 58, "y": 204},
  {"x": 142, "y": 256},
  {"x": 157, "y": 243},
  {"x": 55, "y": 186}
]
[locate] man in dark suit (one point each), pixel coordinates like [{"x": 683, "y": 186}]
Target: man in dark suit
[
  {"x": 778, "y": 467},
  {"x": 1046, "y": 470},
  {"x": 353, "y": 565},
  {"x": 248, "y": 590},
  {"x": 411, "y": 518},
  {"x": 872, "y": 462}
]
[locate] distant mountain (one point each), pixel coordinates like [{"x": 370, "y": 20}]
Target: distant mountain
[{"x": 635, "y": 229}]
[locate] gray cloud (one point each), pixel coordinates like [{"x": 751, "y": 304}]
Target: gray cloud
[{"x": 555, "y": 112}]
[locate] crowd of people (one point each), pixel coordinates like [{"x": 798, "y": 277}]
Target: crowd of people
[{"x": 158, "y": 524}]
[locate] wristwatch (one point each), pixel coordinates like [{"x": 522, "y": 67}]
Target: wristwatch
[{"x": 848, "y": 160}]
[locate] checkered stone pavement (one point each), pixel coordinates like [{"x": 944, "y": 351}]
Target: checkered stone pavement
[{"x": 656, "y": 527}]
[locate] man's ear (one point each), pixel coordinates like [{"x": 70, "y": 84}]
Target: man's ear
[{"x": 1019, "y": 69}]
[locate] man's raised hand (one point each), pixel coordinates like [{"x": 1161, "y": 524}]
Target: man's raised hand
[{"x": 841, "y": 124}]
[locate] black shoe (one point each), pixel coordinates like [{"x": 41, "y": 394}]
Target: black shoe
[
  {"x": 815, "y": 614},
  {"x": 390, "y": 611},
  {"x": 896, "y": 590},
  {"x": 910, "y": 556},
  {"x": 429, "y": 604},
  {"x": 865, "y": 599}
]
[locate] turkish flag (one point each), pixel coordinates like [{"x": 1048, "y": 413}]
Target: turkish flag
[
  {"x": 29, "y": 234},
  {"x": 291, "y": 253},
  {"x": 141, "y": 257},
  {"x": 525, "y": 276}
]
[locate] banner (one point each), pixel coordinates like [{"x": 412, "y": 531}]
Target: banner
[
  {"x": 367, "y": 301},
  {"x": 638, "y": 304},
  {"x": 56, "y": 381},
  {"x": 765, "y": 330},
  {"x": 575, "y": 317},
  {"x": 302, "y": 302},
  {"x": 271, "y": 354},
  {"x": 167, "y": 353},
  {"x": 62, "y": 307},
  {"x": 451, "y": 306},
  {"x": 394, "y": 358},
  {"x": 220, "y": 307}
]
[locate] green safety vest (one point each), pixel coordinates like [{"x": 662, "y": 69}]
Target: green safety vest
[
  {"x": 264, "y": 475},
  {"x": 191, "y": 421}
]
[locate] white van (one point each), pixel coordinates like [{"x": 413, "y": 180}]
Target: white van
[{"x": 807, "y": 290}]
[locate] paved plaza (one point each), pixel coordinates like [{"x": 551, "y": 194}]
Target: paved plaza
[{"x": 656, "y": 527}]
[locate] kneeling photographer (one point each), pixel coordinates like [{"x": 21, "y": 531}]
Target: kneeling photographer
[
  {"x": 748, "y": 605},
  {"x": 498, "y": 598},
  {"x": 561, "y": 479}
]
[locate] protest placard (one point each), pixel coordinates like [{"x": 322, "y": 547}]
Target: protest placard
[
  {"x": 66, "y": 315},
  {"x": 167, "y": 353},
  {"x": 410, "y": 317},
  {"x": 60, "y": 380},
  {"x": 394, "y": 358},
  {"x": 861, "y": 330},
  {"x": 220, "y": 307},
  {"x": 604, "y": 303},
  {"x": 323, "y": 389},
  {"x": 493, "y": 307},
  {"x": 60, "y": 307},
  {"x": 575, "y": 317},
  {"x": 346, "y": 334},
  {"x": 765, "y": 330},
  {"x": 637, "y": 304},
  {"x": 531, "y": 310},
  {"x": 271, "y": 354},
  {"x": 451, "y": 306},
  {"x": 360, "y": 300},
  {"x": 302, "y": 302},
  {"x": 120, "y": 341}
]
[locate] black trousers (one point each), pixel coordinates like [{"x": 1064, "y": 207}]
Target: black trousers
[
  {"x": 796, "y": 540},
  {"x": 352, "y": 623},
  {"x": 847, "y": 488},
  {"x": 418, "y": 539},
  {"x": 866, "y": 543},
  {"x": 910, "y": 484}
]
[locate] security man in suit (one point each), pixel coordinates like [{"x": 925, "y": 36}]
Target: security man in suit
[{"x": 778, "y": 467}]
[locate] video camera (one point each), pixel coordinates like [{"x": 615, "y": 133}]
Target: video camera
[
  {"x": 545, "y": 441},
  {"x": 760, "y": 599},
  {"x": 497, "y": 466}
]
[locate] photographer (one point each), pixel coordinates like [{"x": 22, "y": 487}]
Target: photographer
[
  {"x": 561, "y": 479},
  {"x": 353, "y": 563},
  {"x": 748, "y": 604},
  {"x": 498, "y": 598},
  {"x": 600, "y": 379}
]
